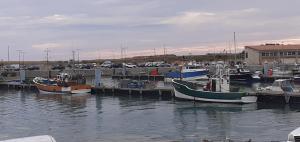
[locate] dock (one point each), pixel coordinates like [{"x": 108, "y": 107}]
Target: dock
[
  {"x": 140, "y": 77},
  {"x": 161, "y": 93},
  {"x": 17, "y": 85}
]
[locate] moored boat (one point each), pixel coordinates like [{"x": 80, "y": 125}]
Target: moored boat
[
  {"x": 280, "y": 86},
  {"x": 188, "y": 73},
  {"x": 217, "y": 90},
  {"x": 184, "y": 91},
  {"x": 242, "y": 75},
  {"x": 63, "y": 84}
]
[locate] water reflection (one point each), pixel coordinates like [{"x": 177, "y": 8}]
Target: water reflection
[{"x": 207, "y": 121}]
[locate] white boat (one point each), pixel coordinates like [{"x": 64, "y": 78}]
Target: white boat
[
  {"x": 280, "y": 86},
  {"x": 45, "y": 138},
  {"x": 294, "y": 136}
]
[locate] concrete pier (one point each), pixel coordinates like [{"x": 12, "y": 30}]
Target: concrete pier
[{"x": 161, "y": 93}]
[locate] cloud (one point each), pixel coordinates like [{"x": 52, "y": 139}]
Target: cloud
[
  {"x": 44, "y": 46},
  {"x": 190, "y": 18},
  {"x": 195, "y": 18}
]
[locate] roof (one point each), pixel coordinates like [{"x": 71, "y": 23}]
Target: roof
[{"x": 272, "y": 47}]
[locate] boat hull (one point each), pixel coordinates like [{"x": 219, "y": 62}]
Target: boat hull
[{"x": 184, "y": 92}]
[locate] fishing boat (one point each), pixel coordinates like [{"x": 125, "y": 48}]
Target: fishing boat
[
  {"x": 217, "y": 90},
  {"x": 188, "y": 73},
  {"x": 62, "y": 84},
  {"x": 242, "y": 75}
]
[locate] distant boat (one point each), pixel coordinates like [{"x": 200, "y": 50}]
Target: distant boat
[
  {"x": 242, "y": 75},
  {"x": 188, "y": 74},
  {"x": 217, "y": 90},
  {"x": 63, "y": 84}
]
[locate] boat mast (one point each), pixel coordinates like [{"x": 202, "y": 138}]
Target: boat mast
[
  {"x": 234, "y": 42},
  {"x": 47, "y": 61},
  {"x": 8, "y": 54}
]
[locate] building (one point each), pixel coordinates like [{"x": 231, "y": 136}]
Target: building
[{"x": 280, "y": 53}]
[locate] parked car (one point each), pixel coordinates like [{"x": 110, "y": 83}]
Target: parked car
[
  {"x": 12, "y": 67},
  {"x": 164, "y": 65},
  {"x": 33, "y": 68},
  {"x": 106, "y": 64},
  {"x": 141, "y": 65},
  {"x": 117, "y": 65},
  {"x": 58, "y": 67},
  {"x": 86, "y": 66},
  {"x": 129, "y": 65}
]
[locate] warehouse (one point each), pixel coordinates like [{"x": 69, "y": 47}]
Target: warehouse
[{"x": 280, "y": 53}]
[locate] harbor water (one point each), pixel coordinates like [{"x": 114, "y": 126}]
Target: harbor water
[{"x": 91, "y": 118}]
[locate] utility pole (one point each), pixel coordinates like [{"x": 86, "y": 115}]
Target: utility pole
[
  {"x": 78, "y": 56},
  {"x": 234, "y": 41},
  {"x": 164, "y": 53},
  {"x": 47, "y": 61}
]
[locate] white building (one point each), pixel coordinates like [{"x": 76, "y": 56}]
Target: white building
[{"x": 257, "y": 55}]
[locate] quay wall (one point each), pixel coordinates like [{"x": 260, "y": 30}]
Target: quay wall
[{"x": 105, "y": 72}]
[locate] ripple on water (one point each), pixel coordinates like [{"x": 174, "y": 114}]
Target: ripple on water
[{"x": 90, "y": 118}]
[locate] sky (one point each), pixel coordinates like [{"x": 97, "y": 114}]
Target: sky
[{"x": 100, "y": 28}]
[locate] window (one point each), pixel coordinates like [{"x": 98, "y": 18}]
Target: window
[
  {"x": 289, "y": 53},
  {"x": 281, "y": 53},
  {"x": 271, "y": 54},
  {"x": 263, "y": 54},
  {"x": 246, "y": 55},
  {"x": 293, "y": 53}
]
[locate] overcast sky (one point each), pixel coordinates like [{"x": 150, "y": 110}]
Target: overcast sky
[{"x": 99, "y": 28}]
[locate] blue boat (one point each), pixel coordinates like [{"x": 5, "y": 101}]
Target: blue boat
[{"x": 188, "y": 74}]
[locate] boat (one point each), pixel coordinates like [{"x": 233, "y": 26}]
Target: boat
[
  {"x": 217, "y": 90},
  {"x": 280, "y": 86},
  {"x": 62, "y": 84},
  {"x": 242, "y": 75},
  {"x": 188, "y": 73},
  {"x": 294, "y": 136},
  {"x": 43, "y": 138},
  {"x": 296, "y": 79}
]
